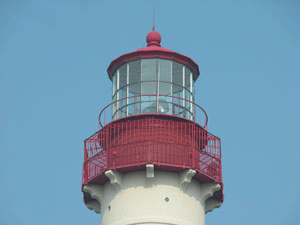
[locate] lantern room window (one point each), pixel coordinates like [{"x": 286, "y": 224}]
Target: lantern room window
[{"x": 153, "y": 86}]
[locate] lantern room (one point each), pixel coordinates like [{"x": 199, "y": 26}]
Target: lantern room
[{"x": 153, "y": 80}]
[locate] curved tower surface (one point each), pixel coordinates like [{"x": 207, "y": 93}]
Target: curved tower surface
[{"x": 153, "y": 160}]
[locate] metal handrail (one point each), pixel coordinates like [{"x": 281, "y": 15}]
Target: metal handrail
[{"x": 103, "y": 111}]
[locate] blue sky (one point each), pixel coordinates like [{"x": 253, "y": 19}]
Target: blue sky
[{"x": 53, "y": 84}]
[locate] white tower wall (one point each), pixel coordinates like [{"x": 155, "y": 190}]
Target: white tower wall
[{"x": 148, "y": 197}]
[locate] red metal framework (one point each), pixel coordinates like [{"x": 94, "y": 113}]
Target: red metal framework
[{"x": 170, "y": 143}]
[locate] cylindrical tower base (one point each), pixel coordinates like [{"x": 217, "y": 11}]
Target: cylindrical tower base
[{"x": 147, "y": 198}]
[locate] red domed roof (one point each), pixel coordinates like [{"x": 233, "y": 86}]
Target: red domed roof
[{"x": 153, "y": 50}]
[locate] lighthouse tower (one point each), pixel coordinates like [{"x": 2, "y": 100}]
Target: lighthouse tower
[{"x": 153, "y": 161}]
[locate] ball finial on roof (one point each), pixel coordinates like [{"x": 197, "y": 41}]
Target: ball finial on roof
[{"x": 153, "y": 38}]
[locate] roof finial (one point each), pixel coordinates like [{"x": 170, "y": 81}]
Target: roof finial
[
  {"x": 153, "y": 38},
  {"x": 153, "y": 19}
]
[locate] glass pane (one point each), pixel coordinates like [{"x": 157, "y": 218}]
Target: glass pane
[
  {"x": 134, "y": 104},
  {"x": 187, "y": 104},
  {"x": 164, "y": 77},
  {"x": 193, "y": 87},
  {"x": 123, "y": 75},
  {"x": 165, "y": 105},
  {"x": 135, "y": 78},
  {"x": 176, "y": 104},
  {"x": 177, "y": 77},
  {"x": 187, "y": 78},
  {"x": 114, "y": 107},
  {"x": 122, "y": 102},
  {"x": 182, "y": 103},
  {"x": 148, "y": 104},
  {"x": 149, "y": 74},
  {"x": 114, "y": 84}
]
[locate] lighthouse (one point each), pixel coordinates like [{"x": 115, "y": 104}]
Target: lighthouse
[{"x": 153, "y": 160}]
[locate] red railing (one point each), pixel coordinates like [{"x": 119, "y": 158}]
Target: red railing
[
  {"x": 135, "y": 105},
  {"x": 166, "y": 142}
]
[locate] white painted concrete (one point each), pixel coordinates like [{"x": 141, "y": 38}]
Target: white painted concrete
[{"x": 165, "y": 198}]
